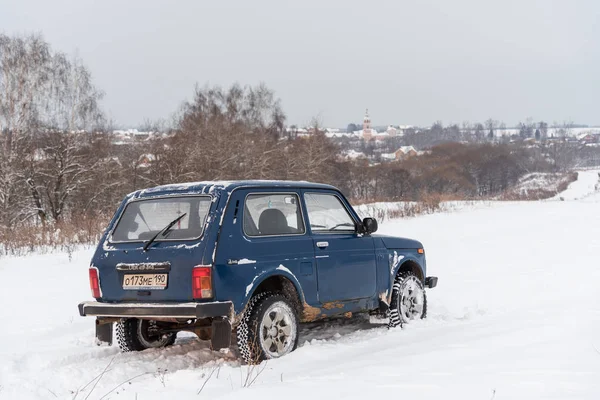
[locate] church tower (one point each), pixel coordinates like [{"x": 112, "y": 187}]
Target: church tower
[{"x": 367, "y": 132}]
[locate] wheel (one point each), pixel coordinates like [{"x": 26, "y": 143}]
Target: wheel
[
  {"x": 140, "y": 334},
  {"x": 409, "y": 301},
  {"x": 268, "y": 329}
]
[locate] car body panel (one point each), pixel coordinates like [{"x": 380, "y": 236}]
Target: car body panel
[{"x": 355, "y": 272}]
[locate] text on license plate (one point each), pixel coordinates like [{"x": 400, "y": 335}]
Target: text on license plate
[{"x": 145, "y": 281}]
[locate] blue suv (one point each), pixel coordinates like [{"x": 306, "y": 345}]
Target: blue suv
[{"x": 254, "y": 258}]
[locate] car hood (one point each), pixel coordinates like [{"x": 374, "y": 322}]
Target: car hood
[{"x": 394, "y": 242}]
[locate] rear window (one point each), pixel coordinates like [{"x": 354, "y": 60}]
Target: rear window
[{"x": 143, "y": 219}]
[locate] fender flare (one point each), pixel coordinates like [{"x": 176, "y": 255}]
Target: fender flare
[
  {"x": 263, "y": 276},
  {"x": 395, "y": 268}
]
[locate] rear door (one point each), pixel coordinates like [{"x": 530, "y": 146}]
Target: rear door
[{"x": 346, "y": 265}]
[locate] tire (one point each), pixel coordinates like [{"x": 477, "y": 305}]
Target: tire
[
  {"x": 409, "y": 300},
  {"x": 269, "y": 328},
  {"x": 139, "y": 334}
]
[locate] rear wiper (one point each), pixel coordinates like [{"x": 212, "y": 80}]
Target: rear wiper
[{"x": 163, "y": 230}]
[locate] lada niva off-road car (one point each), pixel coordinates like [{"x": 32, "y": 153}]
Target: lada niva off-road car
[{"x": 254, "y": 258}]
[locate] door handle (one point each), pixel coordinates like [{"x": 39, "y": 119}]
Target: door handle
[{"x": 322, "y": 245}]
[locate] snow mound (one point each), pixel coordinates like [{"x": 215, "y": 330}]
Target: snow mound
[
  {"x": 538, "y": 185},
  {"x": 587, "y": 183}
]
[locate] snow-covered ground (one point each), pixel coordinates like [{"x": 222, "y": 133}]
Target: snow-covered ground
[
  {"x": 516, "y": 315},
  {"x": 531, "y": 186},
  {"x": 587, "y": 184}
]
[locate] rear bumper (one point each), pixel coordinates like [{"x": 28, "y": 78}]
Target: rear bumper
[
  {"x": 157, "y": 310},
  {"x": 431, "y": 282}
]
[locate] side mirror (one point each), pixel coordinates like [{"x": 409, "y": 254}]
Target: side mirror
[{"x": 369, "y": 225}]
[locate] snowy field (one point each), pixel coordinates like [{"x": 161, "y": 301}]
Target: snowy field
[{"x": 516, "y": 315}]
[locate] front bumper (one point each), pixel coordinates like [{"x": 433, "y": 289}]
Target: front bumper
[
  {"x": 157, "y": 310},
  {"x": 431, "y": 282}
]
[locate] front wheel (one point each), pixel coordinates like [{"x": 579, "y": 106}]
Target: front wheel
[
  {"x": 409, "y": 301},
  {"x": 140, "y": 334},
  {"x": 268, "y": 329}
]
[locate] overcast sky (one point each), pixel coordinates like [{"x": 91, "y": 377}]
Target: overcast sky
[{"x": 409, "y": 62}]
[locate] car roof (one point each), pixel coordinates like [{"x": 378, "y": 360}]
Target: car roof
[{"x": 207, "y": 187}]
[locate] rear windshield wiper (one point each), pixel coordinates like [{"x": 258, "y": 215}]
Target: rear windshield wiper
[{"x": 163, "y": 230}]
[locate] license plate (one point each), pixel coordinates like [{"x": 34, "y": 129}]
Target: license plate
[{"x": 145, "y": 281}]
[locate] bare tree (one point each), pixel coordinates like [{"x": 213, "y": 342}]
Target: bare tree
[
  {"x": 314, "y": 156},
  {"x": 490, "y": 126},
  {"x": 479, "y": 132},
  {"x": 543, "y": 127},
  {"x": 24, "y": 76},
  {"x": 231, "y": 133},
  {"x": 45, "y": 101},
  {"x": 70, "y": 114}
]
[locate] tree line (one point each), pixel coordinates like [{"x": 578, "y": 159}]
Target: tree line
[{"x": 59, "y": 165}]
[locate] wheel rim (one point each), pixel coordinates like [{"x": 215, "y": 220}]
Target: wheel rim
[
  {"x": 277, "y": 330},
  {"x": 149, "y": 334},
  {"x": 411, "y": 299}
]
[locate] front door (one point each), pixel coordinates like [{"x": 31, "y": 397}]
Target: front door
[{"x": 346, "y": 265}]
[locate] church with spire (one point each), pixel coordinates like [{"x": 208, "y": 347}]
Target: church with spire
[{"x": 368, "y": 133}]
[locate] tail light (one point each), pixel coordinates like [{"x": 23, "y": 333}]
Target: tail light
[
  {"x": 95, "y": 283},
  {"x": 202, "y": 282}
]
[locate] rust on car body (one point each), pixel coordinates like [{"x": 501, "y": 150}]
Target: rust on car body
[
  {"x": 310, "y": 313},
  {"x": 331, "y": 305}
]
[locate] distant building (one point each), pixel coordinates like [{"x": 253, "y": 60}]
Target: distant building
[
  {"x": 388, "y": 157},
  {"x": 590, "y": 138},
  {"x": 381, "y": 136},
  {"x": 369, "y": 133},
  {"x": 123, "y": 137},
  {"x": 294, "y": 131},
  {"x": 352, "y": 155},
  {"x": 404, "y": 152},
  {"x": 400, "y": 154},
  {"x": 145, "y": 160}
]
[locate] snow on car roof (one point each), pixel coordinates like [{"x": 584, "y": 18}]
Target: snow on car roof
[{"x": 210, "y": 186}]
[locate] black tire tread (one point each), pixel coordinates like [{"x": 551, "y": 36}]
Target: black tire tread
[
  {"x": 395, "y": 319},
  {"x": 246, "y": 330},
  {"x": 127, "y": 336},
  {"x": 242, "y": 330}
]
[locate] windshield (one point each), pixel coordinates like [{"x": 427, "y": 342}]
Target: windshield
[{"x": 142, "y": 220}]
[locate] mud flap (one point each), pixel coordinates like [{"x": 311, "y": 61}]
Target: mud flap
[
  {"x": 384, "y": 307},
  {"x": 431, "y": 282},
  {"x": 104, "y": 332},
  {"x": 220, "y": 334}
]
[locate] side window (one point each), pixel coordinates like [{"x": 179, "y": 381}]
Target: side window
[
  {"x": 326, "y": 213},
  {"x": 272, "y": 214}
]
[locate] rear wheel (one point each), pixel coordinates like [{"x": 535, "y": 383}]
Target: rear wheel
[
  {"x": 140, "y": 334},
  {"x": 269, "y": 328},
  {"x": 409, "y": 301}
]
